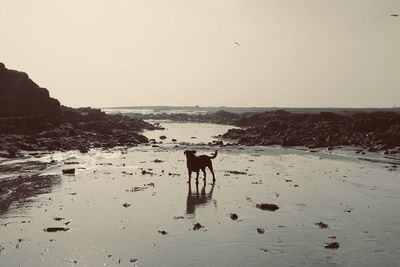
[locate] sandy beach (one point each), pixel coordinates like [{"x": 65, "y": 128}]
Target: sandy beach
[{"x": 133, "y": 207}]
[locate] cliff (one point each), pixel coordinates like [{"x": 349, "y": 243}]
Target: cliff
[{"x": 20, "y": 96}]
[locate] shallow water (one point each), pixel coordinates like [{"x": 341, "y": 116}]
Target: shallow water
[
  {"x": 359, "y": 200},
  {"x": 193, "y": 133}
]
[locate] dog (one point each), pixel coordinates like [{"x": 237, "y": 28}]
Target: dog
[{"x": 195, "y": 164}]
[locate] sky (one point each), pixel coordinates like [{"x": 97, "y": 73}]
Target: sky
[{"x": 266, "y": 53}]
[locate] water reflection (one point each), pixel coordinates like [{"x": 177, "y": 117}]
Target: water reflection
[{"x": 197, "y": 198}]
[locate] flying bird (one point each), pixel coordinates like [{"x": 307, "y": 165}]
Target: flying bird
[
  {"x": 236, "y": 43},
  {"x": 394, "y": 15}
]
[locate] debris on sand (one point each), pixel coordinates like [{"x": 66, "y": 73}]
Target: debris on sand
[
  {"x": 173, "y": 140},
  {"x": 178, "y": 217},
  {"x": 334, "y": 245},
  {"x": 158, "y": 161},
  {"x": 144, "y": 172},
  {"x": 71, "y": 162},
  {"x": 236, "y": 172},
  {"x": 126, "y": 205},
  {"x": 162, "y": 232},
  {"x": 55, "y": 229},
  {"x": 163, "y": 137},
  {"x": 68, "y": 171},
  {"x": 322, "y": 225},
  {"x": 264, "y": 249},
  {"x": 197, "y": 226},
  {"x": 173, "y": 174},
  {"x": 59, "y": 218},
  {"x": 140, "y": 188},
  {"x": 260, "y": 230},
  {"x": 135, "y": 189},
  {"x": 133, "y": 260},
  {"x": 265, "y": 206},
  {"x": 234, "y": 216}
]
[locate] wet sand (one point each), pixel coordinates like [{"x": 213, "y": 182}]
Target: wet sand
[{"x": 133, "y": 207}]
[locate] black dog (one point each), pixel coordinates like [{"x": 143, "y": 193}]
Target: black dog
[{"x": 195, "y": 164}]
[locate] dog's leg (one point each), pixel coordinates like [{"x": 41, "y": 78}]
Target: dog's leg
[
  {"x": 204, "y": 172},
  {"x": 190, "y": 175},
  {"x": 212, "y": 172},
  {"x": 197, "y": 177}
]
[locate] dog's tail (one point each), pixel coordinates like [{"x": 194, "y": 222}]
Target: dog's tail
[{"x": 214, "y": 156}]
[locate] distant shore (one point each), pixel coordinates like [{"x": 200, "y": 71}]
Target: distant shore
[{"x": 372, "y": 131}]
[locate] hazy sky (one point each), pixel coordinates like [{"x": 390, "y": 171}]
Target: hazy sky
[{"x": 302, "y": 53}]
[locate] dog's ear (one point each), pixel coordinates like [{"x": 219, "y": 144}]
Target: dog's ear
[
  {"x": 194, "y": 152},
  {"x": 185, "y": 152}
]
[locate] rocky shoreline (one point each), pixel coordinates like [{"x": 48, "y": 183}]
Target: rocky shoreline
[
  {"x": 371, "y": 131},
  {"x": 376, "y": 131},
  {"x": 30, "y": 120},
  {"x": 79, "y": 129}
]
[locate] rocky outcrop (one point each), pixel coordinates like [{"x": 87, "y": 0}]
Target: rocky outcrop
[
  {"x": 21, "y": 97},
  {"x": 79, "y": 129},
  {"x": 374, "y": 131},
  {"x": 31, "y": 120}
]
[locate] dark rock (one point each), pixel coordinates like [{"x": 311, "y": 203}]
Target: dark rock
[
  {"x": 162, "y": 232},
  {"x": 260, "y": 230},
  {"x": 84, "y": 150},
  {"x": 217, "y": 143},
  {"x": 71, "y": 162},
  {"x": 68, "y": 171},
  {"x": 270, "y": 207},
  {"x": 234, "y": 216},
  {"x": 144, "y": 172},
  {"x": 56, "y": 229},
  {"x": 333, "y": 245},
  {"x": 197, "y": 226},
  {"x": 322, "y": 225}
]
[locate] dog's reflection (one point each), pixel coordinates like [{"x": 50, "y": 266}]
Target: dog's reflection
[{"x": 197, "y": 198}]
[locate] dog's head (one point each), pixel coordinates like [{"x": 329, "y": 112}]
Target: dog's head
[{"x": 189, "y": 153}]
